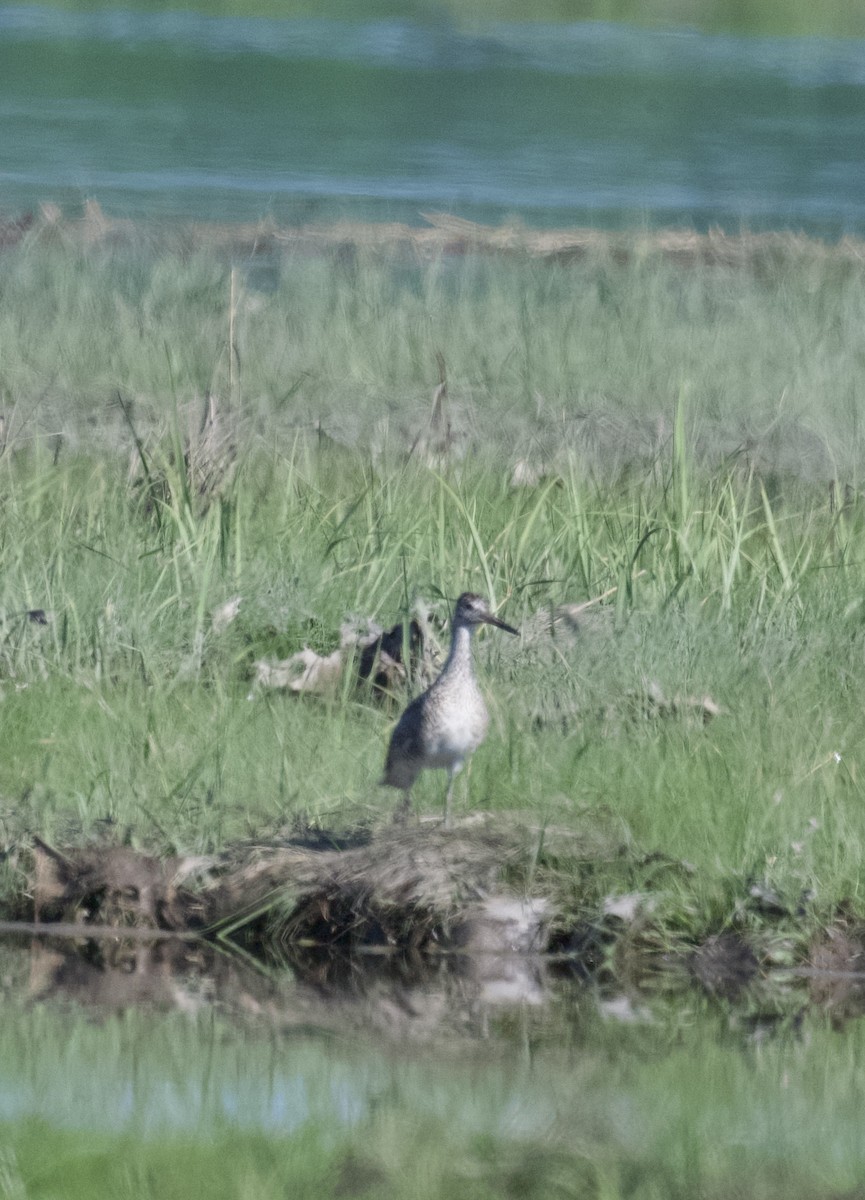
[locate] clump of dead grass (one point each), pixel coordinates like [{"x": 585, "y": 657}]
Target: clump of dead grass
[
  {"x": 397, "y": 887},
  {"x": 402, "y": 888}
]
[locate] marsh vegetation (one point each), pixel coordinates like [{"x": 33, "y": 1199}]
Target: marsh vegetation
[{"x": 212, "y": 461}]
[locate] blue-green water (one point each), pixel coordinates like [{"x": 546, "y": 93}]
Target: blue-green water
[{"x": 181, "y": 115}]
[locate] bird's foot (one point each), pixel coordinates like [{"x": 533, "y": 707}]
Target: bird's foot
[{"x": 402, "y": 814}]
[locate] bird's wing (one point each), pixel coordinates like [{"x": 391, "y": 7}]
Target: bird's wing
[{"x": 405, "y": 741}]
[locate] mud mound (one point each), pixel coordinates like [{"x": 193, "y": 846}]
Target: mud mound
[
  {"x": 400, "y": 888},
  {"x": 404, "y": 888},
  {"x": 111, "y": 885}
]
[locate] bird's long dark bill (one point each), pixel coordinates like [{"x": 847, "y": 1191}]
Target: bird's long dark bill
[{"x": 491, "y": 620}]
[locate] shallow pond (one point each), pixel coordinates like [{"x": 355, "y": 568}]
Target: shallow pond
[
  {"x": 178, "y": 114},
  {"x": 166, "y": 1068}
]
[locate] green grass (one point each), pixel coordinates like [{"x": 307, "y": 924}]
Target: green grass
[
  {"x": 690, "y": 422},
  {"x": 544, "y": 361}
]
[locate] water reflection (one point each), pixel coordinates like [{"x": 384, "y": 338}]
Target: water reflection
[
  {"x": 382, "y": 1058},
  {"x": 397, "y": 996},
  {"x": 406, "y": 998}
]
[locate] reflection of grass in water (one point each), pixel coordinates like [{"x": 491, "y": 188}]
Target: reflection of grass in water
[{"x": 588, "y": 1108}]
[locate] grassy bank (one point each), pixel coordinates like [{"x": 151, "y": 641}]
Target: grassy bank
[{"x": 693, "y": 439}]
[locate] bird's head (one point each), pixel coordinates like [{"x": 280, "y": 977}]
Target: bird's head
[{"x": 473, "y": 610}]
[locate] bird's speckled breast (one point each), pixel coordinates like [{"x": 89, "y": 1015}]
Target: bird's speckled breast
[{"x": 455, "y": 728}]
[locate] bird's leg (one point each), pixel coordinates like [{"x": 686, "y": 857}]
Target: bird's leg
[
  {"x": 402, "y": 812},
  {"x": 452, "y": 774}
]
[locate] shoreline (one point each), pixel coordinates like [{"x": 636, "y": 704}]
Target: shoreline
[{"x": 440, "y": 234}]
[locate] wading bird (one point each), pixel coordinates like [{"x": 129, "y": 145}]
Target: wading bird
[{"x": 447, "y": 723}]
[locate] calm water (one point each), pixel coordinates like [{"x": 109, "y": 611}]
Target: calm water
[
  {"x": 139, "y": 1052},
  {"x": 179, "y": 115}
]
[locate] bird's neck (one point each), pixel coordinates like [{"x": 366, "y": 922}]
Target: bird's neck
[{"x": 460, "y": 656}]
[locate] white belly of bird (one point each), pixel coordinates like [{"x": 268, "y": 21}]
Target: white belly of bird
[{"x": 458, "y": 734}]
